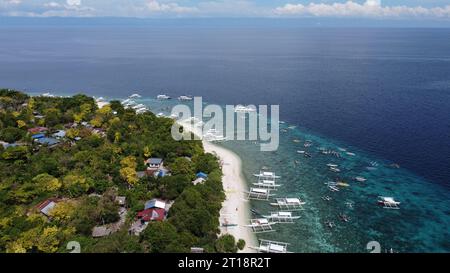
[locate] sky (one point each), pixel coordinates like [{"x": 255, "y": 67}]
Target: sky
[{"x": 368, "y": 9}]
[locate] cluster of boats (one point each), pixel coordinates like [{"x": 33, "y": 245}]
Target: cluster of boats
[
  {"x": 167, "y": 97},
  {"x": 262, "y": 190}
]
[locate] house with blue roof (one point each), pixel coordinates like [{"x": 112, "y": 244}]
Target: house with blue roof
[
  {"x": 202, "y": 175},
  {"x": 50, "y": 142}
]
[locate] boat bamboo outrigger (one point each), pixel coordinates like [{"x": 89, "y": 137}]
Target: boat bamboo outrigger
[
  {"x": 266, "y": 175},
  {"x": 281, "y": 217},
  {"x": 270, "y": 184},
  {"x": 258, "y": 194},
  {"x": 266, "y": 246},
  {"x": 288, "y": 204},
  {"x": 261, "y": 225},
  {"x": 388, "y": 202}
]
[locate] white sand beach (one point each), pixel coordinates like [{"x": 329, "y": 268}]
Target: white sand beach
[{"x": 235, "y": 209}]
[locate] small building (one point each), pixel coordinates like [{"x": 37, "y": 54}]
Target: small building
[
  {"x": 37, "y": 130},
  {"x": 153, "y": 214},
  {"x": 154, "y": 163},
  {"x": 198, "y": 181},
  {"x": 50, "y": 142},
  {"x": 38, "y": 136},
  {"x": 59, "y": 134},
  {"x": 121, "y": 200},
  {"x": 202, "y": 175},
  {"x": 100, "y": 231},
  {"x": 46, "y": 206},
  {"x": 155, "y": 203}
]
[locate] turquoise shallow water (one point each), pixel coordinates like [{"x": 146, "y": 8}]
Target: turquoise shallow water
[{"x": 421, "y": 225}]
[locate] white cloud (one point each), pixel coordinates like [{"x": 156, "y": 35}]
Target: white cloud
[
  {"x": 157, "y": 7},
  {"x": 370, "y": 8}
]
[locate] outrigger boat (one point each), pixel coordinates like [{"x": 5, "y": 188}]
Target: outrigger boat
[
  {"x": 332, "y": 165},
  {"x": 258, "y": 194},
  {"x": 261, "y": 225},
  {"x": 266, "y": 246},
  {"x": 269, "y": 175},
  {"x": 270, "y": 184},
  {"x": 163, "y": 97},
  {"x": 327, "y": 198},
  {"x": 330, "y": 224},
  {"x": 388, "y": 202},
  {"x": 334, "y": 169},
  {"x": 344, "y": 218},
  {"x": 333, "y": 188},
  {"x": 281, "y": 217},
  {"x": 184, "y": 98},
  {"x": 244, "y": 109},
  {"x": 360, "y": 179},
  {"x": 134, "y": 96},
  {"x": 288, "y": 204}
]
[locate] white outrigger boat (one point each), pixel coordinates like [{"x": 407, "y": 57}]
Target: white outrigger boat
[
  {"x": 266, "y": 246},
  {"x": 163, "y": 97},
  {"x": 333, "y": 188},
  {"x": 261, "y": 225},
  {"x": 281, "y": 217},
  {"x": 135, "y": 96},
  {"x": 360, "y": 179},
  {"x": 388, "y": 202},
  {"x": 185, "y": 98},
  {"x": 334, "y": 169},
  {"x": 244, "y": 109},
  {"x": 330, "y": 165},
  {"x": 288, "y": 204},
  {"x": 267, "y": 175},
  {"x": 258, "y": 194},
  {"x": 270, "y": 184}
]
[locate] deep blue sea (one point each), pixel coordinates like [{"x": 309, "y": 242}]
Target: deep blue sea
[{"x": 382, "y": 93}]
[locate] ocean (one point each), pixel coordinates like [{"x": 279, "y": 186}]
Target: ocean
[{"x": 381, "y": 93}]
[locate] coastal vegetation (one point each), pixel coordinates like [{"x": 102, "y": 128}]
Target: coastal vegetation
[{"x": 99, "y": 157}]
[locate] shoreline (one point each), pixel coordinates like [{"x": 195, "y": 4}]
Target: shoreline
[{"x": 235, "y": 208}]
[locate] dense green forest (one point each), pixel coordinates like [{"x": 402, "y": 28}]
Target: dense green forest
[{"x": 98, "y": 159}]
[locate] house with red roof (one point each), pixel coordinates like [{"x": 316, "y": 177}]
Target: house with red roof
[
  {"x": 37, "y": 130},
  {"x": 153, "y": 214},
  {"x": 46, "y": 206}
]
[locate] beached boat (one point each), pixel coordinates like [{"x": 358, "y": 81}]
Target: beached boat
[
  {"x": 388, "y": 202},
  {"x": 258, "y": 194},
  {"x": 271, "y": 184},
  {"x": 288, "y": 204},
  {"x": 266, "y": 246},
  {"x": 268, "y": 175},
  {"x": 281, "y": 217},
  {"x": 261, "y": 225}
]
